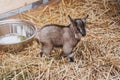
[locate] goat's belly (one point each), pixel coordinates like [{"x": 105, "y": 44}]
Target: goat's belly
[
  {"x": 58, "y": 46},
  {"x": 57, "y": 42}
]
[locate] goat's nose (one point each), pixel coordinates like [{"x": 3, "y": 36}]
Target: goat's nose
[{"x": 84, "y": 34}]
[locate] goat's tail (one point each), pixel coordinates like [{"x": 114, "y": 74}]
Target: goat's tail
[
  {"x": 37, "y": 40},
  {"x": 36, "y": 35}
]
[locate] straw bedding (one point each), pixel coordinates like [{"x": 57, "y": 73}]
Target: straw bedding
[{"x": 97, "y": 56}]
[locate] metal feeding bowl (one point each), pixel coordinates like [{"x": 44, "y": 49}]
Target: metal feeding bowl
[{"x": 16, "y": 34}]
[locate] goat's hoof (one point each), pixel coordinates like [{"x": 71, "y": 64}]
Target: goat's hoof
[
  {"x": 71, "y": 59},
  {"x": 41, "y": 54},
  {"x": 38, "y": 55}
]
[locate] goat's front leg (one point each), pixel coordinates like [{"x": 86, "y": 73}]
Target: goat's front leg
[{"x": 67, "y": 49}]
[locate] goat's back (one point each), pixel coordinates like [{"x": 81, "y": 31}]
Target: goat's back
[{"x": 51, "y": 34}]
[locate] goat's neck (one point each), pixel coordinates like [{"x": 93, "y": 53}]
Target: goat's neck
[{"x": 75, "y": 32}]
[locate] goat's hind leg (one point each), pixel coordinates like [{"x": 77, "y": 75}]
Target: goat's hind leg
[
  {"x": 47, "y": 48},
  {"x": 41, "y": 53}
]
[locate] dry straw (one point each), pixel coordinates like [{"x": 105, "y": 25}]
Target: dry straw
[{"x": 97, "y": 56}]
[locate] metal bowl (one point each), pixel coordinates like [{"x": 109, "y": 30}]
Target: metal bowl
[{"x": 16, "y": 34}]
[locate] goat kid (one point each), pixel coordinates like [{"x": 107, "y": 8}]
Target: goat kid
[{"x": 65, "y": 37}]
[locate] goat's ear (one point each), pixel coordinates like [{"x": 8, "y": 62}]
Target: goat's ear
[
  {"x": 72, "y": 26},
  {"x": 71, "y": 20},
  {"x": 84, "y": 18}
]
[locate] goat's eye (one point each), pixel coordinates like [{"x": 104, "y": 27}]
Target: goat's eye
[
  {"x": 82, "y": 26},
  {"x": 75, "y": 23}
]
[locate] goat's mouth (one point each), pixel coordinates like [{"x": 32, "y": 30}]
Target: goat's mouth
[{"x": 83, "y": 34}]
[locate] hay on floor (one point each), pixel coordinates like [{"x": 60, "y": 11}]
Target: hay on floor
[{"x": 97, "y": 57}]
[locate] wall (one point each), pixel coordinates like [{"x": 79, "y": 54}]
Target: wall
[
  {"x": 8, "y": 5},
  {"x": 12, "y": 7}
]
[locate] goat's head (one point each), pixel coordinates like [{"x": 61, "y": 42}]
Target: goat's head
[{"x": 79, "y": 25}]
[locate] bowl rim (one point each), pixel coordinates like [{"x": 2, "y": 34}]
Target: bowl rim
[{"x": 2, "y": 22}]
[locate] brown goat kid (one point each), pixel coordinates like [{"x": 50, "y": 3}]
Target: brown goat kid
[{"x": 66, "y": 37}]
